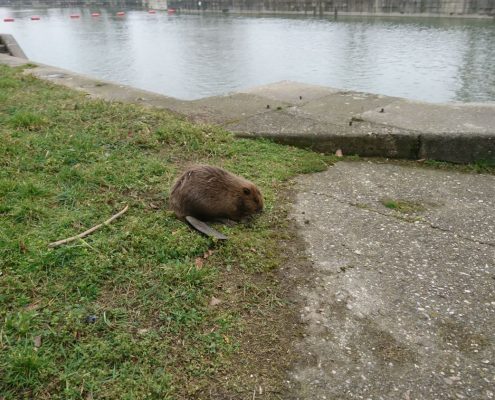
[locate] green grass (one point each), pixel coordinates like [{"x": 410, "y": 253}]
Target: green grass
[
  {"x": 481, "y": 166},
  {"x": 67, "y": 163},
  {"x": 26, "y": 120},
  {"x": 403, "y": 206}
]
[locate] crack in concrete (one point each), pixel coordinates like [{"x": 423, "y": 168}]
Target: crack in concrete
[
  {"x": 419, "y": 146},
  {"x": 405, "y": 219}
]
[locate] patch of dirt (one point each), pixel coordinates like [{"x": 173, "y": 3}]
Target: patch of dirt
[
  {"x": 271, "y": 328},
  {"x": 385, "y": 347},
  {"x": 458, "y": 335}
]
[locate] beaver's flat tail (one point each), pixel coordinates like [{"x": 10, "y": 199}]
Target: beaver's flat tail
[{"x": 204, "y": 228}]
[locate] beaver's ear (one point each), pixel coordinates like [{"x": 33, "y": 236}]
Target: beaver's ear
[{"x": 246, "y": 191}]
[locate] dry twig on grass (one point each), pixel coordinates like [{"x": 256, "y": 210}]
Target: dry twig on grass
[{"x": 89, "y": 231}]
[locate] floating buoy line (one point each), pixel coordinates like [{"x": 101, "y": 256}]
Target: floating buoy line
[{"x": 169, "y": 11}]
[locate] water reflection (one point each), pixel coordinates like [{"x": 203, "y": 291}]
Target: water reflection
[{"x": 190, "y": 57}]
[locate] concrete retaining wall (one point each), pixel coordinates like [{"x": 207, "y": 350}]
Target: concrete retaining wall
[
  {"x": 321, "y": 7},
  {"x": 157, "y": 4},
  {"x": 308, "y": 7}
]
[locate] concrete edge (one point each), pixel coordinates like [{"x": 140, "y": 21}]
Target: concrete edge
[
  {"x": 396, "y": 145},
  {"x": 94, "y": 87},
  {"x": 12, "y": 46},
  {"x": 457, "y": 148},
  {"x": 378, "y": 141}
]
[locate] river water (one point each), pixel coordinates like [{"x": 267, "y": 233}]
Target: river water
[{"x": 194, "y": 56}]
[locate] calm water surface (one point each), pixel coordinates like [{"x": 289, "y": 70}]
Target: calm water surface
[{"x": 189, "y": 57}]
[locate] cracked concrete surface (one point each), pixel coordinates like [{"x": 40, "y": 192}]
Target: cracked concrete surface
[{"x": 402, "y": 306}]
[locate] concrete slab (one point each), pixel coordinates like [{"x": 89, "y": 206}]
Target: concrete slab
[
  {"x": 294, "y": 93},
  {"x": 102, "y": 89},
  {"x": 229, "y": 108},
  {"x": 398, "y": 308},
  {"x": 6, "y": 59},
  {"x": 478, "y": 118},
  {"x": 453, "y": 132},
  {"x": 321, "y": 103},
  {"x": 288, "y": 127},
  {"x": 461, "y": 203},
  {"x": 281, "y": 122},
  {"x": 342, "y": 107}
]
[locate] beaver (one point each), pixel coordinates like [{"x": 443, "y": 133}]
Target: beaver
[{"x": 211, "y": 194}]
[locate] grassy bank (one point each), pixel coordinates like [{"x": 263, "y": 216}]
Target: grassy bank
[{"x": 127, "y": 312}]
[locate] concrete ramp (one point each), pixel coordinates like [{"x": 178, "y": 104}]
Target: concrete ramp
[
  {"x": 402, "y": 300},
  {"x": 9, "y": 46}
]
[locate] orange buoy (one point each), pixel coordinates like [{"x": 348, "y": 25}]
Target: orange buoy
[
  {"x": 74, "y": 16},
  {"x": 151, "y": 11},
  {"x": 121, "y": 13},
  {"x": 35, "y": 18},
  {"x": 8, "y": 20},
  {"x": 95, "y": 14}
]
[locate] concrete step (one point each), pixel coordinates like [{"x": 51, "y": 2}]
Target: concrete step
[
  {"x": 365, "y": 124},
  {"x": 12, "y": 46}
]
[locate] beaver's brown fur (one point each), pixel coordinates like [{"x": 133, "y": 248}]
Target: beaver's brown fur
[{"x": 211, "y": 193}]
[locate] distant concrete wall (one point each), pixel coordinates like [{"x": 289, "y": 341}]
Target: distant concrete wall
[
  {"x": 157, "y": 4},
  {"x": 312, "y": 7},
  {"x": 316, "y": 7}
]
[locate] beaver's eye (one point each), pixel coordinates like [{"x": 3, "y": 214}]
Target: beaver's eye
[{"x": 246, "y": 190}]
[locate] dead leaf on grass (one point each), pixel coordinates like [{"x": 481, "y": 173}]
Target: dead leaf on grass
[
  {"x": 207, "y": 254},
  {"x": 37, "y": 342},
  {"x": 214, "y": 301},
  {"x": 32, "y": 306},
  {"x": 198, "y": 262}
]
